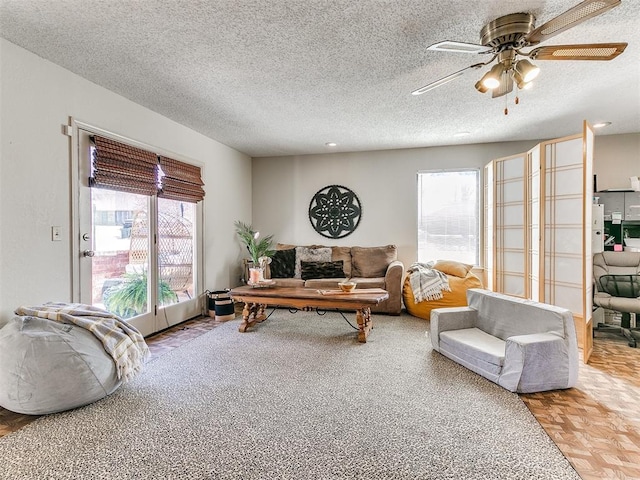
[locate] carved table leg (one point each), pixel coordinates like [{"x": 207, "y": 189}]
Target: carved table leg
[
  {"x": 245, "y": 318},
  {"x": 252, "y": 313},
  {"x": 365, "y": 324}
]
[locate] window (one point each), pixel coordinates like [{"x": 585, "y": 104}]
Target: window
[{"x": 448, "y": 216}]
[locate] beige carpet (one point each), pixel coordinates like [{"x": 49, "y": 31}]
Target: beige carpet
[{"x": 297, "y": 397}]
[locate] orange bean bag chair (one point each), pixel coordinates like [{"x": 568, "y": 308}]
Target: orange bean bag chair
[{"x": 460, "y": 280}]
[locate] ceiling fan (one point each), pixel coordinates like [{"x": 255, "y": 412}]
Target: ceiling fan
[{"x": 505, "y": 37}]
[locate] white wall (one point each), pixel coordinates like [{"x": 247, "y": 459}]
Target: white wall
[
  {"x": 385, "y": 182},
  {"x": 36, "y": 98},
  {"x": 616, "y": 158}
]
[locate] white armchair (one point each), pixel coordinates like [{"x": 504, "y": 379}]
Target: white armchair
[{"x": 522, "y": 345}]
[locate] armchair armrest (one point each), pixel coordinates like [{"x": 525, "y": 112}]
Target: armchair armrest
[
  {"x": 528, "y": 359},
  {"x": 454, "y": 318}
]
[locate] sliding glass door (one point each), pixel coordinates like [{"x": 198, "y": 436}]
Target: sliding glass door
[{"x": 137, "y": 253}]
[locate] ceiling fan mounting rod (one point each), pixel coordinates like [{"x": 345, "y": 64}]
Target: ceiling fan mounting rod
[{"x": 507, "y": 58}]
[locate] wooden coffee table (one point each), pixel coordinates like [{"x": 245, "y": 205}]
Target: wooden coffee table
[{"x": 257, "y": 299}]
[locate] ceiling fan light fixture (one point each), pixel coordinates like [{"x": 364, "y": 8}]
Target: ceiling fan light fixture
[
  {"x": 491, "y": 79},
  {"x": 480, "y": 87},
  {"x": 525, "y": 71},
  {"x": 525, "y": 86}
]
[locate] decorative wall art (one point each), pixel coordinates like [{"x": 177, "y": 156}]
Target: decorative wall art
[{"x": 335, "y": 211}]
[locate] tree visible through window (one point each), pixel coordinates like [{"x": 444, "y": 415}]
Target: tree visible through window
[{"x": 448, "y": 213}]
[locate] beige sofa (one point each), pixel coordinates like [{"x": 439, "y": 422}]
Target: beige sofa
[{"x": 319, "y": 266}]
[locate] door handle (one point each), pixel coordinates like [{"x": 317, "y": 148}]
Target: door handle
[{"x": 88, "y": 253}]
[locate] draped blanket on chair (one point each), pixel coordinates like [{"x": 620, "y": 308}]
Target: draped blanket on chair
[
  {"x": 121, "y": 341},
  {"x": 426, "y": 282}
]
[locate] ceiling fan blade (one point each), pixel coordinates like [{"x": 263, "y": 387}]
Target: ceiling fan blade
[
  {"x": 572, "y": 17},
  {"x": 506, "y": 86},
  {"x": 459, "y": 47},
  {"x": 446, "y": 79},
  {"x": 586, "y": 51}
]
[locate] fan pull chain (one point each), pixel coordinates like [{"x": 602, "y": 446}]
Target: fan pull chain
[{"x": 506, "y": 109}]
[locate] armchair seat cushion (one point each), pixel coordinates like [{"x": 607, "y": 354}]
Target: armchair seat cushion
[
  {"x": 619, "y": 304},
  {"x": 475, "y": 343}
]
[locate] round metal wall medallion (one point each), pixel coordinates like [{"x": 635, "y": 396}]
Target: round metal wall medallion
[{"x": 335, "y": 211}]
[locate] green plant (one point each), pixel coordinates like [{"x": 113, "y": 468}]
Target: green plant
[
  {"x": 129, "y": 298},
  {"x": 257, "y": 247}
]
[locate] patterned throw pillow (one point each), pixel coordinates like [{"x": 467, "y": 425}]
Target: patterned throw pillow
[
  {"x": 322, "y": 269},
  {"x": 283, "y": 263},
  {"x": 310, "y": 254}
]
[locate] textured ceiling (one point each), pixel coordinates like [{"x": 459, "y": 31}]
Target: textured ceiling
[{"x": 283, "y": 77}]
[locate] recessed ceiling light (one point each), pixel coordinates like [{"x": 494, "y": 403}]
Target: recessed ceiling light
[
  {"x": 331, "y": 144},
  {"x": 601, "y": 124},
  {"x": 461, "y": 134}
]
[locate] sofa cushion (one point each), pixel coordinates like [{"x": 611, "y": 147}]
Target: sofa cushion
[
  {"x": 372, "y": 261},
  {"x": 373, "y": 282},
  {"x": 473, "y": 342},
  {"x": 324, "y": 283},
  {"x": 290, "y": 282},
  {"x": 322, "y": 270},
  {"x": 309, "y": 254},
  {"x": 283, "y": 263},
  {"x": 453, "y": 268},
  {"x": 344, "y": 254}
]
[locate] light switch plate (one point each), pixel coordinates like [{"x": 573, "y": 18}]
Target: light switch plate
[{"x": 56, "y": 234}]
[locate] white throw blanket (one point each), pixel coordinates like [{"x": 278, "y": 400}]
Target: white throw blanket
[
  {"x": 426, "y": 282},
  {"x": 121, "y": 341}
]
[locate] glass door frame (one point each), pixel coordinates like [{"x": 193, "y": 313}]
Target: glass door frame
[{"x": 158, "y": 317}]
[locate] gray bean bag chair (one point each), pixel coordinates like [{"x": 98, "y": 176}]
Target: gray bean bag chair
[{"x": 48, "y": 367}]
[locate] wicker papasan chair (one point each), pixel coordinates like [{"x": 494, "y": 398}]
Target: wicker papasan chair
[{"x": 460, "y": 278}]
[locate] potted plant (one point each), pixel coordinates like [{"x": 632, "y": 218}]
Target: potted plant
[
  {"x": 129, "y": 298},
  {"x": 260, "y": 250}
]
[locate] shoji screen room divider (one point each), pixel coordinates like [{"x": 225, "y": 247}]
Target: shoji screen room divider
[{"x": 537, "y": 217}]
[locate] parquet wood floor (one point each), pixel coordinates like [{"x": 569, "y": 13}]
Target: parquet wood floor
[{"x": 596, "y": 425}]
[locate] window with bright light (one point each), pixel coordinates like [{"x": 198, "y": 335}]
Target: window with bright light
[{"x": 448, "y": 216}]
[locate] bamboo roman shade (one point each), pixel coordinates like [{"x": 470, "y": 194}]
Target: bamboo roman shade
[
  {"x": 121, "y": 167},
  {"x": 180, "y": 181},
  {"x": 118, "y": 166}
]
